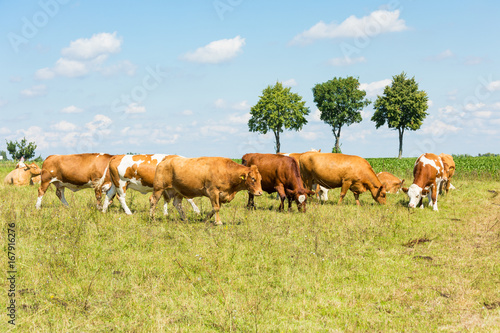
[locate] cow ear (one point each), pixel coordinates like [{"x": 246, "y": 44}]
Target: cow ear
[
  {"x": 402, "y": 182},
  {"x": 310, "y": 193},
  {"x": 319, "y": 151},
  {"x": 405, "y": 189},
  {"x": 243, "y": 176}
]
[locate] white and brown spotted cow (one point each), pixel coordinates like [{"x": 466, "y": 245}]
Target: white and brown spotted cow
[
  {"x": 136, "y": 172},
  {"x": 428, "y": 174},
  {"x": 76, "y": 172}
]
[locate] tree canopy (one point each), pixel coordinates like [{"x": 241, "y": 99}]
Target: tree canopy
[
  {"x": 340, "y": 102},
  {"x": 278, "y": 109},
  {"x": 402, "y": 107},
  {"x": 21, "y": 149}
]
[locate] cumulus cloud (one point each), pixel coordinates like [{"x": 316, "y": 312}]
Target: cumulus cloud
[
  {"x": 71, "y": 109},
  {"x": 187, "y": 113},
  {"x": 135, "y": 108},
  {"x": 438, "y": 128},
  {"x": 217, "y": 51},
  {"x": 99, "y": 123},
  {"x": 493, "y": 86},
  {"x": 86, "y": 55},
  {"x": 374, "y": 88},
  {"x": 376, "y": 23},
  {"x": 63, "y": 126},
  {"x": 289, "y": 83},
  {"x": 446, "y": 54},
  {"x": 346, "y": 61},
  {"x": 35, "y": 91}
]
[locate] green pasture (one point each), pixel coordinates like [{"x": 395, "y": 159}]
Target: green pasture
[{"x": 332, "y": 269}]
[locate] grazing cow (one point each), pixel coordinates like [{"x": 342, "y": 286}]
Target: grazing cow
[
  {"x": 24, "y": 174},
  {"x": 449, "y": 166},
  {"x": 428, "y": 174},
  {"x": 75, "y": 172},
  {"x": 136, "y": 172},
  {"x": 392, "y": 183},
  {"x": 279, "y": 174},
  {"x": 346, "y": 171},
  {"x": 217, "y": 178},
  {"x": 321, "y": 192}
]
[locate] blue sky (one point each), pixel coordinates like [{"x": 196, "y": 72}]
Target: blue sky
[{"x": 181, "y": 76}]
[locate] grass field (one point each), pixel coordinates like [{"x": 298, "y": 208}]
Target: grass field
[{"x": 332, "y": 269}]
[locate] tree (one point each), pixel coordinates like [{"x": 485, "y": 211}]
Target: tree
[
  {"x": 340, "y": 101},
  {"x": 3, "y": 153},
  {"x": 402, "y": 106},
  {"x": 21, "y": 149},
  {"x": 278, "y": 109}
]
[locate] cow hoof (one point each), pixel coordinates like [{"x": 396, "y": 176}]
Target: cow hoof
[{"x": 218, "y": 223}]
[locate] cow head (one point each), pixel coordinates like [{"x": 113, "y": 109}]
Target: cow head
[
  {"x": 380, "y": 197},
  {"x": 33, "y": 169},
  {"x": 300, "y": 197},
  {"x": 253, "y": 180},
  {"x": 415, "y": 194}
]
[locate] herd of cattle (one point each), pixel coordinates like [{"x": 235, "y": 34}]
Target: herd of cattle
[{"x": 293, "y": 176}]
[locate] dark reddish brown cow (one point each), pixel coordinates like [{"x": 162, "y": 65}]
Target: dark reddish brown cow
[
  {"x": 346, "y": 171},
  {"x": 217, "y": 178},
  {"x": 75, "y": 172},
  {"x": 279, "y": 174},
  {"x": 428, "y": 174}
]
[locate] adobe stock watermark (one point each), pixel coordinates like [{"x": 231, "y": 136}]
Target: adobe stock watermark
[
  {"x": 223, "y": 6},
  {"x": 31, "y": 26},
  {"x": 458, "y": 116}
]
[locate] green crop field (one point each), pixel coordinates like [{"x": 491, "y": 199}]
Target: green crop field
[{"x": 335, "y": 268}]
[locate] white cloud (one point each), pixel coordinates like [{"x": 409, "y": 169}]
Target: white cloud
[
  {"x": 375, "y": 88},
  {"x": 4, "y": 131},
  {"x": 64, "y": 126},
  {"x": 100, "y": 122},
  {"x": 316, "y": 115},
  {"x": 309, "y": 136},
  {"x": 377, "y": 22},
  {"x": 447, "y": 110},
  {"x": 438, "y": 128},
  {"x": 441, "y": 56},
  {"x": 474, "y": 107},
  {"x": 289, "y": 83},
  {"x": 243, "y": 105},
  {"x": 86, "y": 55},
  {"x": 35, "y": 91},
  {"x": 220, "y": 103},
  {"x": 240, "y": 106},
  {"x": 71, "y": 109},
  {"x": 217, "y": 51},
  {"x": 90, "y": 48},
  {"x": 135, "y": 108},
  {"x": 239, "y": 118},
  {"x": 483, "y": 114},
  {"x": 187, "y": 113},
  {"x": 493, "y": 86},
  {"x": 346, "y": 61}
]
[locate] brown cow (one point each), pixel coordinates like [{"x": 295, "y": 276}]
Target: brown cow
[
  {"x": 23, "y": 175},
  {"x": 392, "y": 183},
  {"x": 279, "y": 174},
  {"x": 428, "y": 174},
  {"x": 449, "y": 166},
  {"x": 136, "y": 172},
  {"x": 321, "y": 192},
  {"x": 346, "y": 171},
  {"x": 75, "y": 172},
  {"x": 217, "y": 178}
]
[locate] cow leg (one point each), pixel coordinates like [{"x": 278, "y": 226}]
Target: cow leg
[
  {"x": 290, "y": 204},
  {"x": 122, "y": 194},
  {"x": 281, "y": 192},
  {"x": 153, "y": 200},
  {"x": 250, "y": 204},
  {"x": 41, "y": 191},
  {"x": 214, "y": 199},
  {"x": 98, "y": 196},
  {"x": 356, "y": 197},
  {"x": 178, "y": 205},
  {"x": 434, "y": 198},
  {"x": 109, "y": 197},
  {"x": 60, "y": 194},
  {"x": 193, "y": 205},
  {"x": 166, "y": 197},
  {"x": 343, "y": 191}
]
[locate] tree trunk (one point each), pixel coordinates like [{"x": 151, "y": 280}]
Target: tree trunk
[
  {"x": 337, "y": 140},
  {"x": 401, "y": 132},
  {"x": 277, "y": 139}
]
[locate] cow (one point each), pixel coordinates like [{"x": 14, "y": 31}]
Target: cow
[
  {"x": 136, "y": 172},
  {"x": 392, "y": 183},
  {"x": 279, "y": 174},
  {"x": 217, "y": 178},
  {"x": 449, "y": 166},
  {"x": 321, "y": 192},
  {"x": 76, "y": 172},
  {"x": 428, "y": 173},
  {"x": 24, "y": 174},
  {"x": 333, "y": 170}
]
